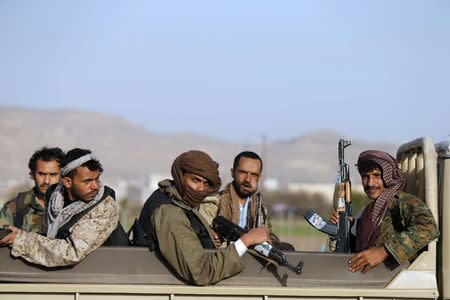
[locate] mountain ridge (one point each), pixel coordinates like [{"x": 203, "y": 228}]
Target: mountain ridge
[{"x": 129, "y": 151}]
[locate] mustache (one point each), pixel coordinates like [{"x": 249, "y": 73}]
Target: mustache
[{"x": 372, "y": 188}]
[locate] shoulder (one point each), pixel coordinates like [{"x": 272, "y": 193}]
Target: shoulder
[
  {"x": 109, "y": 192},
  {"x": 106, "y": 208},
  {"x": 169, "y": 214},
  {"x": 408, "y": 199},
  {"x": 12, "y": 203},
  {"x": 170, "y": 209},
  {"x": 411, "y": 205},
  {"x": 226, "y": 190},
  {"x": 213, "y": 199}
]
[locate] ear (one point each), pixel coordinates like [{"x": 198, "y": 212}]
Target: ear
[
  {"x": 232, "y": 172},
  {"x": 67, "y": 181}
]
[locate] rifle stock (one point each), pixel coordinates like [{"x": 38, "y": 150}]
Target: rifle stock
[{"x": 233, "y": 232}]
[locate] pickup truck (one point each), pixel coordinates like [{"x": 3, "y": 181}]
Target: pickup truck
[{"x": 137, "y": 273}]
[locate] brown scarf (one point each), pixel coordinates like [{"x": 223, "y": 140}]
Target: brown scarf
[
  {"x": 198, "y": 163},
  {"x": 229, "y": 206},
  {"x": 394, "y": 182}
]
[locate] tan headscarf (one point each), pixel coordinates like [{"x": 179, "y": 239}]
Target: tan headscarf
[{"x": 198, "y": 163}]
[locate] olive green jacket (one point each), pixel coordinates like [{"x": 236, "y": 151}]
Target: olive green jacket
[{"x": 180, "y": 246}]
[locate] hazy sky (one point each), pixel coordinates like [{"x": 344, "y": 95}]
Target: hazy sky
[{"x": 377, "y": 70}]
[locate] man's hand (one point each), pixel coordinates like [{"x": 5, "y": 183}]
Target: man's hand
[
  {"x": 216, "y": 240},
  {"x": 255, "y": 236},
  {"x": 10, "y": 238},
  {"x": 334, "y": 217},
  {"x": 367, "y": 259}
]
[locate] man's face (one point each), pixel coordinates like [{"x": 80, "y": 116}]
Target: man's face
[
  {"x": 84, "y": 185},
  {"x": 46, "y": 174},
  {"x": 372, "y": 182},
  {"x": 196, "y": 182},
  {"x": 246, "y": 176}
]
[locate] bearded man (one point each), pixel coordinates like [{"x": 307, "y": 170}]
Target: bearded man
[
  {"x": 27, "y": 210},
  {"x": 395, "y": 225},
  {"x": 181, "y": 234},
  {"x": 81, "y": 216},
  {"x": 238, "y": 202}
]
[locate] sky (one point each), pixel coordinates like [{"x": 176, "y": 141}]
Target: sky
[{"x": 235, "y": 70}]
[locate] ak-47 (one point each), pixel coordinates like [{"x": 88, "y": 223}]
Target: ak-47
[
  {"x": 232, "y": 232},
  {"x": 343, "y": 204}
]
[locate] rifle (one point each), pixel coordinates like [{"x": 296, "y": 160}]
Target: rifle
[
  {"x": 4, "y": 232},
  {"x": 232, "y": 232},
  {"x": 342, "y": 199},
  {"x": 259, "y": 217}
]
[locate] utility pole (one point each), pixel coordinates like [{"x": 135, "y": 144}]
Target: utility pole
[{"x": 265, "y": 161}]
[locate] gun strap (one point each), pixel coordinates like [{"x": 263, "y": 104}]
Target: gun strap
[
  {"x": 156, "y": 199},
  {"x": 200, "y": 231},
  {"x": 64, "y": 232},
  {"x": 21, "y": 209}
]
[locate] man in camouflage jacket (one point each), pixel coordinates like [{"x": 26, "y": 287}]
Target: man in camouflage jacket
[
  {"x": 395, "y": 225},
  {"x": 81, "y": 215},
  {"x": 26, "y": 211}
]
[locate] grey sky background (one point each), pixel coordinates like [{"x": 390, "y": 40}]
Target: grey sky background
[{"x": 236, "y": 70}]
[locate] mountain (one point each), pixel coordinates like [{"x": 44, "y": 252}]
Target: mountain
[{"x": 131, "y": 152}]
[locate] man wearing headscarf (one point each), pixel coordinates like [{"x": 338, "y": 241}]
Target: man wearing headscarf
[
  {"x": 171, "y": 219},
  {"x": 395, "y": 225},
  {"x": 81, "y": 215}
]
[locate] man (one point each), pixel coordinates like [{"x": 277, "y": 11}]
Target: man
[
  {"x": 81, "y": 215},
  {"x": 395, "y": 225},
  {"x": 26, "y": 210},
  {"x": 239, "y": 201},
  {"x": 177, "y": 230}
]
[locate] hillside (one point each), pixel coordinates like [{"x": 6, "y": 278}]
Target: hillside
[{"x": 131, "y": 152}]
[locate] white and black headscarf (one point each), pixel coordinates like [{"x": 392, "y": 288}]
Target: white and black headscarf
[{"x": 57, "y": 214}]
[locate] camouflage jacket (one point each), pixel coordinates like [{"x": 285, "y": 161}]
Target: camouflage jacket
[
  {"x": 407, "y": 227},
  {"x": 33, "y": 217},
  {"x": 88, "y": 233}
]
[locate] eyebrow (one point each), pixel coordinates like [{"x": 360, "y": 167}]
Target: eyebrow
[{"x": 200, "y": 178}]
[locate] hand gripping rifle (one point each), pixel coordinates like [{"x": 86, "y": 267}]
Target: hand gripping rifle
[
  {"x": 232, "y": 232},
  {"x": 342, "y": 199}
]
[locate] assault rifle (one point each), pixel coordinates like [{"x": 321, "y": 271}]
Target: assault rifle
[
  {"x": 342, "y": 200},
  {"x": 4, "y": 232},
  {"x": 232, "y": 232}
]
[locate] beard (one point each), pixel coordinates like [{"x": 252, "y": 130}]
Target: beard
[
  {"x": 40, "y": 190},
  {"x": 241, "y": 193}
]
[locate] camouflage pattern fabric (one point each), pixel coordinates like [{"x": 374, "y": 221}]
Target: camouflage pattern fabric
[
  {"x": 407, "y": 227},
  {"x": 89, "y": 233},
  {"x": 32, "y": 220}
]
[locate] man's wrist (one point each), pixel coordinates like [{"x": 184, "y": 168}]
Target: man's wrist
[
  {"x": 241, "y": 248},
  {"x": 385, "y": 251}
]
